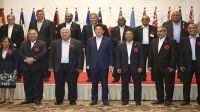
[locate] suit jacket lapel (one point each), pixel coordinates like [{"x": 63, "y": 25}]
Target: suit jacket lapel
[
  {"x": 42, "y": 26},
  {"x": 118, "y": 33},
  {"x": 90, "y": 30},
  {"x": 165, "y": 42},
  {"x": 14, "y": 28},
  {"x": 101, "y": 44},
  {"x": 141, "y": 34},
  {"x": 125, "y": 51},
  {"x": 156, "y": 45}
]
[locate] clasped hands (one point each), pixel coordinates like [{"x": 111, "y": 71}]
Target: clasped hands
[{"x": 29, "y": 60}]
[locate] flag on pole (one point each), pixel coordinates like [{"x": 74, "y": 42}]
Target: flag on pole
[
  {"x": 100, "y": 16},
  {"x": 88, "y": 16},
  {"x": 76, "y": 16},
  {"x": 169, "y": 14},
  {"x": 11, "y": 11},
  {"x": 21, "y": 21},
  {"x": 132, "y": 19},
  {"x": 155, "y": 18},
  {"x": 120, "y": 12},
  {"x": 33, "y": 16},
  {"x": 191, "y": 15},
  {"x": 56, "y": 18},
  {"x": 180, "y": 11},
  {"x": 2, "y": 17},
  {"x": 144, "y": 12}
]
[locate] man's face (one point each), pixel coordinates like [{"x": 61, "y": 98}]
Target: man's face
[
  {"x": 32, "y": 35},
  {"x": 94, "y": 19},
  {"x": 192, "y": 29},
  {"x": 176, "y": 16},
  {"x": 121, "y": 21},
  {"x": 99, "y": 31},
  {"x": 129, "y": 36},
  {"x": 68, "y": 17},
  {"x": 40, "y": 16},
  {"x": 145, "y": 20},
  {"x": 10, "y": 20},
  {"x": 161, "y": 32},
  {"x": 65, "y": 34}
]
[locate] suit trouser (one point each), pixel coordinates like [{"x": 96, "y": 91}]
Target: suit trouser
[
  {"x": 97, "y": 75},
  {"x": 145, "y": 52},
  {"x": 187, "y": 79},
  {"x": 66, "y": 74},
  {"x": 164, "y": 77},
  {"x": 46, "y": 74},
  {"x": 115, "y": 75},
  {"x": 33, "y": 85},
  {"x": 137, "y": 85}
]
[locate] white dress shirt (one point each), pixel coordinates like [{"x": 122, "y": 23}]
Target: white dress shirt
[
  {"x": 65, "y": 51},
  {"x": 93, "y": 31},
  {"x": 32, "y": 44},
  {"x": 160, "y": 43},
  {"x": 121, "y": 31},
  {"x": 4, "y": 52},
  {"x": 129, "y": 48},
  {"x": 68, "y": 25},
  {"x": 39, "y": 25},
  {"x": 193, "y": 46},
  {"x": 177, "y": 31},
  {"x": 98, "y": 41},
  {"x": 145, "y": 39},
  {"x": 10, "y": 29}
]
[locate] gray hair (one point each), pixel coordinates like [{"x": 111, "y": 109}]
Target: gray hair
[{"x": 11, "y": 15}]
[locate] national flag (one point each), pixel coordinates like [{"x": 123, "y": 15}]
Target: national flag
[
  {"x": 2, "y": 17},
  {"x": 180, "y": 11},
  {"x": 56, "y": 18},
  {"x": 76, "y": 16},
  {"x": 169, "y": 14},
  {"x": 155, "y": 18},
  {"x": 144, "y": 12},
  {"x": 120, "y": 12},
  {"x": 21, "y": 21},
  {"x": 191, "y": 15},
  {"x": 33, "y": 16},
  {"x": 132, "y": 19},
  {"x": 100, "y": 16},
  {"x": 88, "y": 17}
]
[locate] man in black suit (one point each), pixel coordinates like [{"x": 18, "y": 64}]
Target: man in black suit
[
  {"x": 145, "y": 34},
  {"x": 31, "y": 54},
  {"x": 46, "y": 33},
  {"x": 190, "y": 62},
  {"x": 130, "y": 63},
  {"x": 162, "y": 66},
  {"x": 74, "y": 27},
  {"x": 66, "y": 61},
  {"x": 117, "y": 36},
  {"x": 13, "y": 31},
  {"x": 88, "y": 32}
]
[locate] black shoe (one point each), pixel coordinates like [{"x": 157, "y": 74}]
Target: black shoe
[
  {"x": 157, "y": 102},
  {"x": 58, "y": 103},
  {"x": 105, "y": 103},
  {"x": 167, "y": 103},
  {"x": 185, "y": 103},
  {"x": 125, "y": 103},
  {"x": 198, "y": 102},
  {"x": 138, "y": 103},
  {"x": 38, "y": 102},
  {"x": 2, "y": 101},
  {"x": 27, "y": 102},
  {"x": 93, "y": 102},
  {"x": 72, "y": 102},
  {"x": 88, "y": 80},
  {"x": 115, "y": 80}
]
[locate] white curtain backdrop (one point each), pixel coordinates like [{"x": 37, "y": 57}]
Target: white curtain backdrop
[{"x": 109, "y": 8}]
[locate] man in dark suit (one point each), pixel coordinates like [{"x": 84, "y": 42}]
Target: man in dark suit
[
  {"x": 190, "y": 62},
  {"x": 99, "y": 61},
  {"x": 176, "y": 29},
  {"x": 162, "y": 66},
  {"x": 13, "y": 31},
  {"x": 88, "y": 32},
  {"x": 46, "y": 33},
  {"x": 130, "y": 62},
  {"x": 74, "y": 27},
  {"x": 31, "y": 54},
  {"x": 145, "y": 34},
  {"x": 66, "y": 61},
  {"x": 117, "y": 36}
]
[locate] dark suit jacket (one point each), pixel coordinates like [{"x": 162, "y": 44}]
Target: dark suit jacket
[
  {"x": 104, "y": 56},
  {"x": 38, "y": 52},
  {"x": 76, "y": 57},
  {"x": 186, "y": 54},
  {"x": 9, "y": 63},
  {"x": 17, "y": 33},
  {"x": 47, "y": 31},
  {"x": 75, "y": 30},
  {"x": 169, "y": 26},
  {"x": 166, "y": 56},
  {"x": 87, "y": 32},
  {"x": 136, "y": 58},
  {"x": 138, "y": 31},
  {"x": 115, "y": 35}
]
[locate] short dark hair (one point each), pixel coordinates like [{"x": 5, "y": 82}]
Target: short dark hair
[
  {"x": 129, "y": 29},
  {"x": 100, "y": 25},
  {"x": 40, "y": 11}
]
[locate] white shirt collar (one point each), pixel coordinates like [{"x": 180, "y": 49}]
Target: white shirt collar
[
  {"x": 129, "y": 43},
  {"x": 197, "y": 35},
  {"x": 145, "y": 26},
  {"x": 99, "y": 38},
  {"x": 69, "y": 23},
  {"x": 67, "y": 41},
  {"x": 162, "y": 39}
]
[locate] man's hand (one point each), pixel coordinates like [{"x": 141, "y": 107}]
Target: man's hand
[
  {"x": 139, "y": 70},
  {"x": 149, "y": 68},
  {"x": 80, "y": 71},
  {"x": 50, "y": 69},
  {"x": 119, "y": 71},
  {"x": 87, "y": 67},
  {"x": 170, "y": 69},
  {"x": 15, "y": 72},
  {"x": 182, "y": 69},
  {"x": 110, "y": 68}
]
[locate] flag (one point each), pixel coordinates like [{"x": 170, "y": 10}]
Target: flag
[
  {"x": 21, "y": 21},
  {"x": 155, "y": 18},
  {"x": 169, "y": 14},
  {"x": 132, "y": 19},
  {"x": 191, "y": 15},
  {"x": 120, "y": 12},
  {"x": 144, "y": 12},
  {"x": 180, "y": 11},
  {"x": 76, "y": 16},
  {"x": 56, "y": 18},
  {"x": 33, "y": 17},
  {"x": 2, "y": 17},
  {"x": 88, "y": 17},
  {"x": 100, "y": 16}
]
